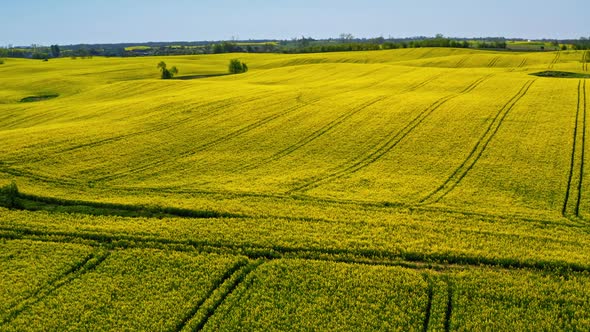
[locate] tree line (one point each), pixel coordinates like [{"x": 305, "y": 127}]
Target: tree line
[{"x": 346, "y": 42}]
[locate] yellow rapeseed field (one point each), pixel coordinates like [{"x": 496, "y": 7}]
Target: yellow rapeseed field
[{"x": 411, "y": 189}]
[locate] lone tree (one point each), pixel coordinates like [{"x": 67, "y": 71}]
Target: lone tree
[
  {"x": 167, "y": 73},
  {"x": 237, "y": 67},
  {"x": 55, "y": 51}
]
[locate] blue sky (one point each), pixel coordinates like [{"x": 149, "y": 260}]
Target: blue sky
[{"x": 47, "y": 22}]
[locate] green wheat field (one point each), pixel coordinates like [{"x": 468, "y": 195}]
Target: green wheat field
[{"x": 425, "y": 189}]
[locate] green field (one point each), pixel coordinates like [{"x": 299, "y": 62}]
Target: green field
[{"x": 419, "y": 189}]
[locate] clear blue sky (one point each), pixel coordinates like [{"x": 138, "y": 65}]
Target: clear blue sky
[{"x": 47, "y": 22}]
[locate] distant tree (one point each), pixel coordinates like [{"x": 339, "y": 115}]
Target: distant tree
[
  {"x": 237, "y": 67},
  {"x": 346, "y": 37},
  {"x": 55, "y": 51},
  {"x": 217, "y": 48},
  {"x": 167, "y": 73}
]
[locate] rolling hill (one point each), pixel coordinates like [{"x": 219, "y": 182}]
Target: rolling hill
[{"x": 412, "y": 189}]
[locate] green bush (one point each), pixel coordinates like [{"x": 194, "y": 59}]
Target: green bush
[
  {"x": 167, "y": 73},
  {"x": 9, "y": 195},
  {"x": 237, "y": 67}
]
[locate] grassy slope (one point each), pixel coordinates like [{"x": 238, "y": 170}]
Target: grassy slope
[{"x": 431, "y": 156}]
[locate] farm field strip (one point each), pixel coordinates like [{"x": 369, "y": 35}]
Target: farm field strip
[
  {"x": 168, "y": 288},
  {"x": 333, "y": 124},
  {"x": 392, "y": 242},
  {"x": 22, "y": 276},
  {"x": 415, "y": 297},
  {"x": 193, "y": 150},
  {"x": 463, "y": 169},
  {"x": 383, "y": 147},
  {"x": 412, "y": 300},
  {"x": 573, "y": 194},
  {"x": 313, "y": 136},
  {"x": 88, "y": 264}
]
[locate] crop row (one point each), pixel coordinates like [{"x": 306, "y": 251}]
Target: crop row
[{"x": 138, "y": 289}]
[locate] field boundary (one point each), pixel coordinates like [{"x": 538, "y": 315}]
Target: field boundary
[
  {"x": 460, "y": 172},
  {"x": 404, "y": 258},
  {"x": 384, "y": 146}
]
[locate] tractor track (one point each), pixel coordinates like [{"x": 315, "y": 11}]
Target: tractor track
[
  {"x": 383, "y": 147},
  {"x": 336, "y": 122},
  {"x": 459, "y": 174},
  {"x": 190, "y": 152},
  {"x": 573, "y": 193},
  {"x": 493, "y": 62},
  {"x": 88, "y": 264},
  {"x": 555, "y": 60},
  {"x": 315, "y": 135}
]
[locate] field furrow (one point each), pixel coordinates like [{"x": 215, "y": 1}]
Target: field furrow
[
  {"x": 218, "y": 296},
  {"x": 88, "y": 264},
  {"x": 575, "y": 172},
  {"x": 385, "y": 146},
  {"x": 458, "y": 175},
  {"x": 555, "y": 60},
  {"x": 315, "y": 135},
  {"x": 494, "y": 61}
]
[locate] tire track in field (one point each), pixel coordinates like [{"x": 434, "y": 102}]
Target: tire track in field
[
  {"x": 555, "y": 60},
  {"x": 449, "y": 311},
  {"x": 193, "y": 312},
  {"x": 493, "y": 62},
  {"x": 315, "y": 135},
  {"x": 241, "y": 131},
  {"x": 461, "y": 62},
  {"x": 523, "y": 63},
  {"x": 459, "y": 174},
  {"x": 216, "y": 296},
  {"x": 421, "y": 84},
  {"x": 88, "y": 264},
  {"x": 162, "y": 161},
  {"x": 574, "y": 192},
  {"x": 338, "y": 121},
  {"x": 246, "y": 129},
  {"x": 383, "y": 147},
  {"x": 216, "y": 106},
  {"x": 428, "y": 311}
]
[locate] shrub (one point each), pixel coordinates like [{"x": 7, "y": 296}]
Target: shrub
[
  {"x": 167, "y": 73},
  {"x": 9, "y": 195},
  {"x": 237, "y": 67}
]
